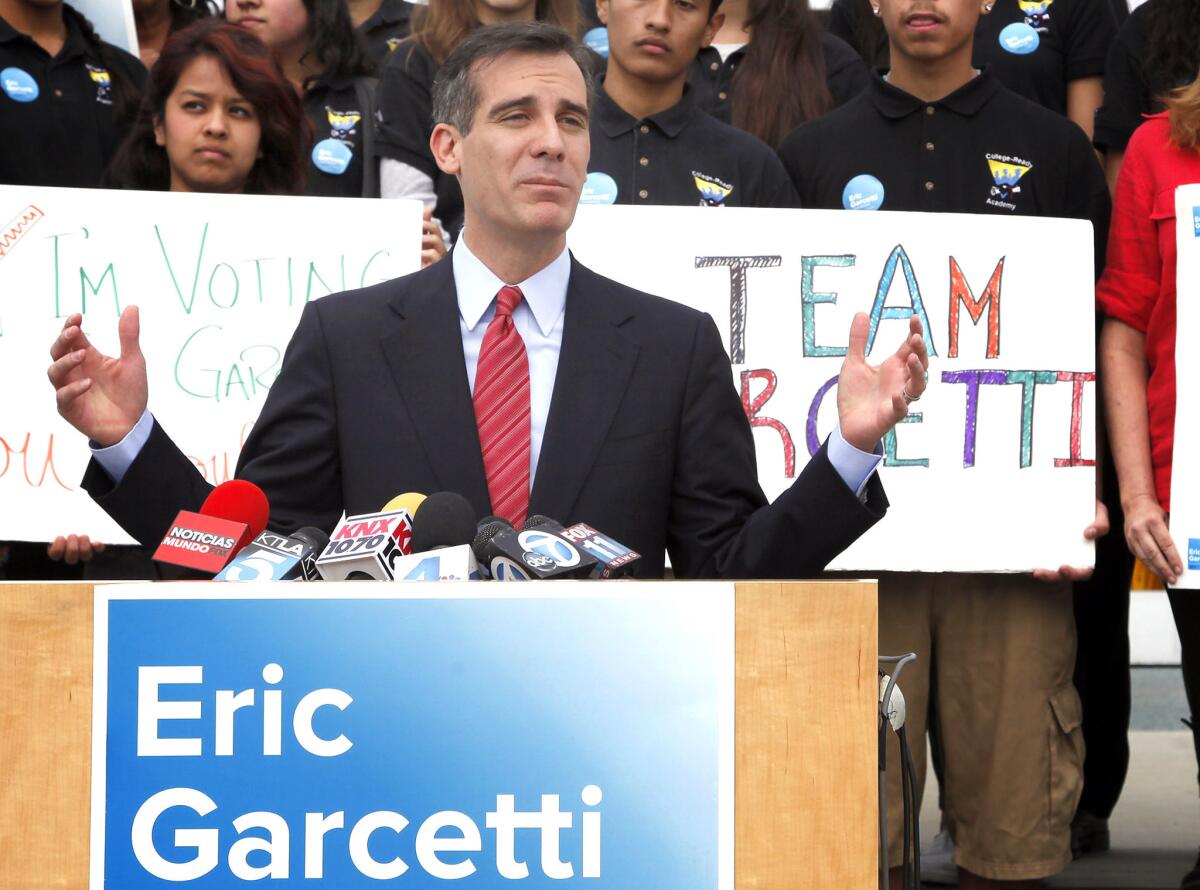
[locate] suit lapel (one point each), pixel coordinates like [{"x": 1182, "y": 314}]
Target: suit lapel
[
  {"x": 426, "y": 358},
  {"x": 594, "y": 369}
]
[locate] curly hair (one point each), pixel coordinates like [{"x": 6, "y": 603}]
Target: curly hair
[
  {"x": 338, "y": 49},
  {"x": 141, "y": 163},
  {"x": 1171, "y": 53}
]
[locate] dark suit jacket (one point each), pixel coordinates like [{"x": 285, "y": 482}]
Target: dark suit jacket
[{"x": 646, "y": 438}]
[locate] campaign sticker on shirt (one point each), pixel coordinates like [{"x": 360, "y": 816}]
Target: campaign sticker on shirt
[
  {"x": 863, "y": 192},
  {"x": 18, "y": 85},
  {"x": 1196, "y": 222},
  {"x": 597, "y": 41},
  {"x": 1020, "y": 39},
  {"x": 1193, "y": 554},
  {"x": 331, "y": 156},
  {"x": 600, "y": 188}
]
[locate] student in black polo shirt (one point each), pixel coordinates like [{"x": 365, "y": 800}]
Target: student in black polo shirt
[
  {"x": 326, "y": 61},
  {"x": 382, "y": 23},
  {"x": 1050, "y": 51},
  {"x": 997, "y": 651},
  {"x": 772, "y": 66},
  {"x": 66, "y": 97},
  {"x": 156, "y": 20},
  {"x": 651, "y": 143}
]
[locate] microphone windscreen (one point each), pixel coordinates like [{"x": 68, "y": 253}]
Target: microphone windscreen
[
  {"x": 409, "y": 501},
  {"x": 239, "y": 501},
  {"x": 488, "y": 528},
  {"x": 539, "y": 521},
  {"x": 446, "y": 520}
]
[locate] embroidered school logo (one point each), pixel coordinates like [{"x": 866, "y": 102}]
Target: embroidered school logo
[
  {"x": 1037, "y": 13},
  {"x": 713, "y": 191},
  {"x": 103, "y": 81},
  {"x": 342, "y": 123},
  {"x": 1007, "y": 171}
]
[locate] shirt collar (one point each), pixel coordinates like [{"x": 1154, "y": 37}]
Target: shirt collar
[
  {"x": 73, "y": 45},
  {"x": 614, "y": 120},
  {"x": 545, "y": 292},
  {"x": 967, "y": 100},
  {"x": 709, "y": 54}
]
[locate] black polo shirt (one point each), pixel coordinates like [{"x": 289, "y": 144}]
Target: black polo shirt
[
  {"x": 1128, "y": 94},
  {"x": 681, "y": 156},
  {"x": 406, "y": 123},
  {"x": 982, "y": 149},
  {"x": 384, "y": 30},
  {"x": 1036, "y": 47},
  {"x": 56, "y": 114},
  {"x": 712, "y": 80},
  {"x": 339, "y": 120}
]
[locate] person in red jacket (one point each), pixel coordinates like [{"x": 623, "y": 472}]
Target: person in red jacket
[{"x": 1137, "y": 353}]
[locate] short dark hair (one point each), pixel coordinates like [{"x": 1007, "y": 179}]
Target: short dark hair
[{"x": 455, "y": 93}]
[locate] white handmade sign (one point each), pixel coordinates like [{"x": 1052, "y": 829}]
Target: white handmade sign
[
  {"x": 219, "y": 280},
  {"x": 993, "y": 472},
  {"x": 995, "y": 469},
  {"x": 1185, "y": 471}
]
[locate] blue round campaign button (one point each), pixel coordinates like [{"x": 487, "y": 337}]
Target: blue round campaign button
[
  {"x": 19, "y": 85},
  {"x": 597, "y": 41},
  {"x": 863, "y": 192},
  {"x": 332, "y": 156},
  {"x": 1020, "y": 39},
  {"x": 600, "y": 188}
]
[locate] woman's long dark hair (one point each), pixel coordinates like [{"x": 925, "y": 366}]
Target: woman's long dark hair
[
  {"x": 286, "y": 133},
  {"x": 441, "y": 26},
  {"x": 338, "y": 49},
  {"x": 1171, "y": 51},
  {"x": 780, "y": 83},
  {"x": 125, "y": 93}
]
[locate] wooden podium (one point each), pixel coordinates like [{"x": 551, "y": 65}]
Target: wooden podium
[{"x": 806, "y": 724}]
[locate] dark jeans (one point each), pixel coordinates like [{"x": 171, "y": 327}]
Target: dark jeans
[{"x": 1185, "y": 604}]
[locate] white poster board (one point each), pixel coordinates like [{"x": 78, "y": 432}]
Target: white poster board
[
  {"x": 113, "y": 21},
  {"x": 996, "y": 470},
  {"x": 993, "y": 473},
  {"x": 220, "y": 281},
  {"x": 1185, "y": 469}
]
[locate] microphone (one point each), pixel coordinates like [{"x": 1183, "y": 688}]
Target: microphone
[
  {"x": 367, "y": 545},
  {"x": 536, "y": 553},
  {"x": 409, "y": 501},
  {"x": 275, "y": 557},
  {"x": 615, "y": 560},
  {"x": 233, "y": 514},
  {"x": 443, "y": 530}
]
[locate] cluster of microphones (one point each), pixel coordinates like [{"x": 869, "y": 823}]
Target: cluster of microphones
[{"x": 413, "y": 537}]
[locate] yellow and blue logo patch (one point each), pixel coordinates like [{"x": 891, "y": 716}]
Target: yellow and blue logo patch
[
  {"x": 1037, "y": 12},
  {"x": 103, "y": 81},
  {"x": 713, "y": 191}
]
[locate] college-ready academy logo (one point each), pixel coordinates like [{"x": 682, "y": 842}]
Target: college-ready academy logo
[
  {"x": 342, "y": 123},
  {"x": 1037, "y": 13},
  {"x": 713, "y": 191},
  {"x": 1007, "y": 171},
  {"x": 103, "y": 81}
]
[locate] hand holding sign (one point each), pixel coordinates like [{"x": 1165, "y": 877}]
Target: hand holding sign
[
  {"x": 872, "y": 399},
  {"x": 102, "y": 397}
]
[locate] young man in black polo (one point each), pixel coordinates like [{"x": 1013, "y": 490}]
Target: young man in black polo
[
  {"x": 935, "y": 134},
  {"x": 651, "y": 143}
]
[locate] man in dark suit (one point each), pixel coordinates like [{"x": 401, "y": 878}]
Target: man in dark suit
[{"x": 617, "y": 407}]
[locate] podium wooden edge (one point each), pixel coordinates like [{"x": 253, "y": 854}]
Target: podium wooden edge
[{"x": 806, "y": 696}]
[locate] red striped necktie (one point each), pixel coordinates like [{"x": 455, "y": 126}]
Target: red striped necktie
[{"x": 502, "y": 410}]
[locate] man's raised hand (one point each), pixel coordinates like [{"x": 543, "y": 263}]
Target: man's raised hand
[
  {"x": 871, "y": 399},
  {"x": 102, "y": 397}
]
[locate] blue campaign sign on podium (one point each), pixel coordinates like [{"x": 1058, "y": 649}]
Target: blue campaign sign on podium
[{"x": 567, "y": 735}]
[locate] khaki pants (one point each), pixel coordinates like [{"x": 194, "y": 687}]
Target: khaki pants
[{"x": 1003, "y": 647}]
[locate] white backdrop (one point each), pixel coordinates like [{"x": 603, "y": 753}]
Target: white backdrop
[{"x": 1185, "y": 472}]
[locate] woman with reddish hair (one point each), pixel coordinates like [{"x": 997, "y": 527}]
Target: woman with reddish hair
[{"x": 218, "y": 116}]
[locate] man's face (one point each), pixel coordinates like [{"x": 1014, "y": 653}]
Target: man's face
[
  {"x": 929, "y": 30},
  {"x": 656, "y": 40},
  {"x": 524, "y": 161}
]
